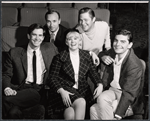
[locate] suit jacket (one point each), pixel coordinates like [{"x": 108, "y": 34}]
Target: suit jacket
[
  {"x": 130, "y": 81},
  {"x": 15, "y": 66},
  {"x": 62, "y": 73},
  {"x": 60, "y": 37}
]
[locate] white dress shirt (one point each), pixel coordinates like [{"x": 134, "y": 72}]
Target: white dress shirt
[
  {"x": 40, "y": 66},
  {"x": 117, "y": 70}
]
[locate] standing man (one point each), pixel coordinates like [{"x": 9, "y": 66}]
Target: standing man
[
  {"x": 25, "y": 73},
  {"x": 121, "y": 75},
  {"x": 55, "y": 32}
]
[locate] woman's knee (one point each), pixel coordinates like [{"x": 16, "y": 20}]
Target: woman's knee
[
  {"x": 69, "y": 114},
  {"x": 80, "y": 102}
]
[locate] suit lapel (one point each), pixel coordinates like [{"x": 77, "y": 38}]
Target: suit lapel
[
  {"x": 58, "y": 35},
  {"x": 24, "y": 60},
  {"x": 67, "y": 66},
  {"x": 45, "y": 57},
  {"x": 124, "y": 66},
  {"x": 83, "y": 66}
]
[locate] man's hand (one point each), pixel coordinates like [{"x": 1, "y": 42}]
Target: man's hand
[
  {"x": 65, "y": 97},
  {"x": 107, "y": 59},
  {"x": 98, "y": 91},
  {"x": 8, "y": 91},
  {"x": 95, "y": 58}
]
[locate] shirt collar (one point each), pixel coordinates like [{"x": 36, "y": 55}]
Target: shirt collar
[
  {"x": 54, "y": 32},
  {"x": 121, "y": 60},
  {"x": 30, "y": 50}
]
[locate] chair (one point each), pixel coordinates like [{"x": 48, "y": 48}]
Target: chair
[
  {"x": 90, "y": 5},
  {"x": 9, "y": 16},
  {"x": 60, "y": 5},
  {"x": 102, "y": 14},
  {"x": 35, "y": 5},
  {"x": 32, "y": 15},
  {"x": 13, "y": 36},
  {"x": 69, "y": 17}
]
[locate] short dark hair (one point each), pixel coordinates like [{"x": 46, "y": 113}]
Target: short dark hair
[
  {"x": 125, "y": 33},
  {"x": 51, "y": 12},
  {"x": 86, "y": 10},
  {"x": 35, "y": 26}
]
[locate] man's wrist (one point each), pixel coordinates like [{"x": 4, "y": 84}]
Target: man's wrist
[{"x": 118, "y": 117}]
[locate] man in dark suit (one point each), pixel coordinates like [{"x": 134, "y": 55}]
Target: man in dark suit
[
  {"x": 121, "y": 73},
  {"x": 25, "y": 73},
  {"x": 55, "y": 32}
]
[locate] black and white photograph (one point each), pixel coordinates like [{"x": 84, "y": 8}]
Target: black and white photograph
[{"x": 75, "y": 60}]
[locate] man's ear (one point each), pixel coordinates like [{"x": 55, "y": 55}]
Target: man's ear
[
  {"x": 28, "y": 36},
  {"x": 130, "y": 45},
  {"x": 94, "y": 19},
  {"x": 59, "y": 20}
]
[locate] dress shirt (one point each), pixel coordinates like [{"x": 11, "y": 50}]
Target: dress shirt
[
  {"x": 117, "y": 69},
  {"x": 40, "y": 66},
  {"x": 55, "y": 33}
]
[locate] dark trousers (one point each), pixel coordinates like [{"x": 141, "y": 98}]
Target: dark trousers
[{"x": 27, "y": 96}]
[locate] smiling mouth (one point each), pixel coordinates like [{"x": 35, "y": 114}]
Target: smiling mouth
[{"x": 73, "y": 44}]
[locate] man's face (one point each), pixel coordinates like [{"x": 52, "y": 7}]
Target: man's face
[
  {"x": 73, "y": 40},
  {"x": 121, "y": 44},
  {"x": 53, "y": 21},
  {"x": 36, "y": 38},
  {"x": 86, "y": 22}
]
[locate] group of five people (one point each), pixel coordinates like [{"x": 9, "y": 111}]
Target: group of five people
[{"x": 65, "y": 58}]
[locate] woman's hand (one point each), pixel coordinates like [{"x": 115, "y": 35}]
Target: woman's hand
[
  {"x": 98, "y": 91},
  {"x": 65, "y": 97}
]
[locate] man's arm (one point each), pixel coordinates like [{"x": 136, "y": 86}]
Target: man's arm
[
  {"x": 131, "y": 87},
  {"x": 7, "y": 76},
  {"x": 7, "y": 73},
  {"x": 105, "y": 57},
  {"x": 107, "y": 39}
]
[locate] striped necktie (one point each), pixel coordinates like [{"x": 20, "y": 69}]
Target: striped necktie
[{"x": 52, "y": 38}]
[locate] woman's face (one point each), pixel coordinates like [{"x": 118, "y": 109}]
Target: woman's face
[
  {"x": 86, "y": 21},
  {"x": 73, "y": 40}
]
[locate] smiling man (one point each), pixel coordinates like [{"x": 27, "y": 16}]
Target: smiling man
[
  {"x": 121, "y": 73},
  {"x": 25, "y": 73},
  {"x": 55, "y": 32}
]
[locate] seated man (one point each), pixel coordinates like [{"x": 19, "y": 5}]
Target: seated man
[
  {"x": 25, "y": 72},
  {"x": 122, "y": 73}
]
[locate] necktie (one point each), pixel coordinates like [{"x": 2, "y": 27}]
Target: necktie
[
  {"x": 34, "y": 67},
  {"x": 52, "y": 38}
]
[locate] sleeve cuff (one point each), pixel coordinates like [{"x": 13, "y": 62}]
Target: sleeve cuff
[{"x": 117, "y": 116}]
